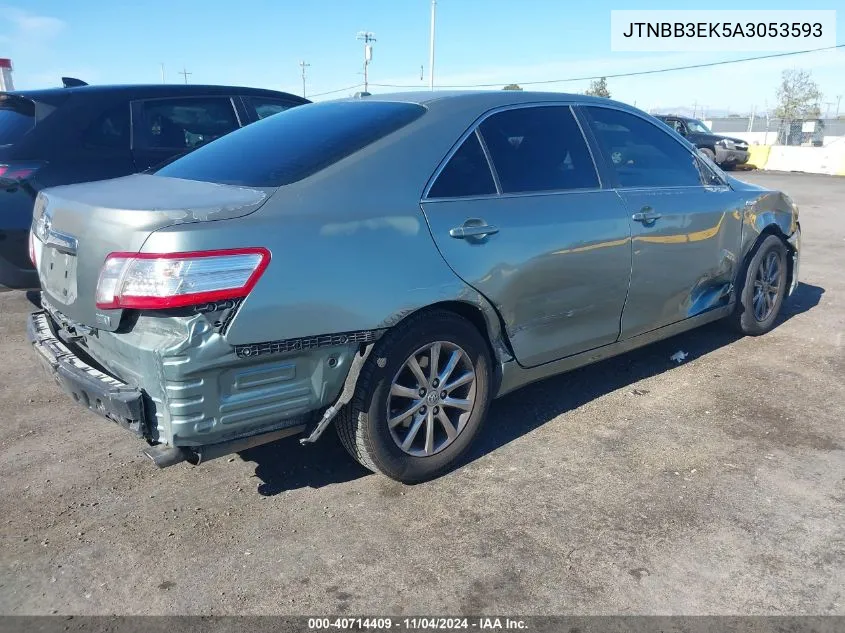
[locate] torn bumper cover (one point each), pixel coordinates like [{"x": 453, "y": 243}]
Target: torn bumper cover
[
  {"x": 795, "y": 242},
  {"x": 101, "y": 393}
]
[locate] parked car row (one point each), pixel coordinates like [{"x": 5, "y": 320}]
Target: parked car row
[
  {"x": 82, "y": 133},
  {"x": 391, "y": 264}
]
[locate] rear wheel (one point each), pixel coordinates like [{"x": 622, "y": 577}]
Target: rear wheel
[
  {"x": 763, "y": 289},
  {"x": 421, "y": 398}
]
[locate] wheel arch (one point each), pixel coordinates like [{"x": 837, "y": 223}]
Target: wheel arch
[
  {"x": 484, "y": 317},
  {"x": 772, "y": 228}
]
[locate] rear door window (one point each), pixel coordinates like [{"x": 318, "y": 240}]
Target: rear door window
[
  {"x": 111, "y": 129},
  {"x": 17, "y": 117},
  {"x": 280, "y": 150},
  {"x": 640, "y": 153},
  {"x": 539, "y": 149},
  {"x": 265, "y": 106},
  {"x": 183, "y": 123}
]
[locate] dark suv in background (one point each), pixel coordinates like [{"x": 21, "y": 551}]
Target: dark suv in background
[
  {"x": 723, "y": 150},
  {"x": 61, "y": 136}
]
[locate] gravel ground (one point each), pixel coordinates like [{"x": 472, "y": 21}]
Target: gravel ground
[{"x": 633, "y": 486}]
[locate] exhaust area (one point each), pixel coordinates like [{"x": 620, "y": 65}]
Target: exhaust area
[{"x": 164, "y": 456}]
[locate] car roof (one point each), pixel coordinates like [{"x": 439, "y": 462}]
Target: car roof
[
  {"x": 482, "y": 98},
  {"x": 140, "y": 91}
]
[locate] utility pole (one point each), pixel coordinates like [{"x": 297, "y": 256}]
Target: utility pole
[
  {"x": 694, "y": 109},
  {"x": 303, "y": 66},
  {"x": 766, "y": 111},
  {"x": 367, "y": 37},
  {"x": 162, "y": 73},
  {"x": 838, "y": 99},
  {"x": 751, "y": 120},
  {"x": 185, "y": 74},
  {"x": 431, "y": 47}
]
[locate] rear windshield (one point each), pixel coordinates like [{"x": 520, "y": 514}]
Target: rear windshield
[
  {"x": 294, "y": 144},
  {"x": 17, "y": 117}
]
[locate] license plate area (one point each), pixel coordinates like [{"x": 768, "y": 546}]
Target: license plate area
[{"x": 57, "y": 272}]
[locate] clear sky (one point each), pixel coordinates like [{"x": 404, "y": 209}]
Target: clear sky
[{"x": 260, "y": 43}]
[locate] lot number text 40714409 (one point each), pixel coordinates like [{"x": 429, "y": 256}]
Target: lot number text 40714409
[{"x": 416, "y": 624}]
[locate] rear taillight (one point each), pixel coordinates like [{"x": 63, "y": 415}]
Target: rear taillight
[
  {"x": 19, "y": 171},
  {"x": 150, "y": 281}
]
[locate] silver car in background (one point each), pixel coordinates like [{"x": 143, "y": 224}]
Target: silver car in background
[{"x": 391, "y": 264}]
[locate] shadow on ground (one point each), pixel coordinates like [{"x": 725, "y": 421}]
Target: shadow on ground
[
  {"x": 34, "y": 297},
  {"x": 287, "y": 465}
]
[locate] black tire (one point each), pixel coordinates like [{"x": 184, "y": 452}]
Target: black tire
[
  {"x": 744, "y": 318},
  {"x": 709, "y": 153},
  {"x": 362, "y": 425}
]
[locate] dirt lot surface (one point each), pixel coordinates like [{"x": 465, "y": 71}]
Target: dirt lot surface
[{"x": 634, "y": 486}]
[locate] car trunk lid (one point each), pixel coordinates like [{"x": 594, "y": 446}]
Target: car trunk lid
[{"x": 76, "y": 227}]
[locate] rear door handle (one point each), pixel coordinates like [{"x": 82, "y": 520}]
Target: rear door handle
[
  {"x": 472, "y": 229},
  {"x": 646, "y": 215}
]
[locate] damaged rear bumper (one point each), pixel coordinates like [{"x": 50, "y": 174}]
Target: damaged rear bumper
[
  {"x": 103, "y": 394},
  {"x": 179, "y": 385}
]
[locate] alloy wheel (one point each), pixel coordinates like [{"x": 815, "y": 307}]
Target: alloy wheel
[
  {"x": 767, "y": 282},
  {"x": 431, "y": 398}
]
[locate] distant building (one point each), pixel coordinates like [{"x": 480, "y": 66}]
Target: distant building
[{"x": 6, "y": 75}]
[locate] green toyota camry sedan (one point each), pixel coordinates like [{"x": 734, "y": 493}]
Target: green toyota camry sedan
[{"x": 389, "y": 265}]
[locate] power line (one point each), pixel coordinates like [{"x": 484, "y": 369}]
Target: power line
[
  {"x": 633, "y": 74},
  {"x": 616, "y": 75},
  {"x": 331, "y": 92}
]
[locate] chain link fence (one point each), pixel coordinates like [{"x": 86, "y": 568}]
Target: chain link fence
[{"x": 763, "y": 130}]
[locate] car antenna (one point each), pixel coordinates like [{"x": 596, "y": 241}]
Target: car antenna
[{"x": 72, "y": 82}]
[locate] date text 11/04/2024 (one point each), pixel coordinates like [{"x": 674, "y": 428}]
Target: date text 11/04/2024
[{"x": 415, "y": 624}]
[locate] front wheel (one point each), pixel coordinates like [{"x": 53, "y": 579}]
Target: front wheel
[
  {"x": 763, "y": 288},
  {"x": 421, "y": 398}
]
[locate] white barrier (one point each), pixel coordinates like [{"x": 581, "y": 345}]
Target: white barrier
[{"x": 814, "y": 160}]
